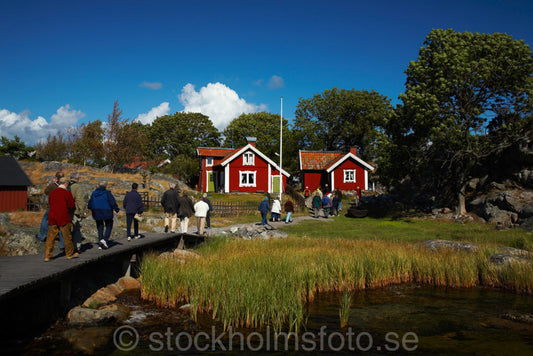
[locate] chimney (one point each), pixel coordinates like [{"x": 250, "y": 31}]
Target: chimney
[
  {"x": 353, "y": 150},
  {"x": 251, "y": 140}
]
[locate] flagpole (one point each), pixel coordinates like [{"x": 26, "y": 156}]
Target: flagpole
[{"x": 280, "y": 149}]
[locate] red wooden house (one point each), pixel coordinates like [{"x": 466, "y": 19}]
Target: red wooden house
[
  {"x": 14, "y": 183},
  {"x": 342, "y": 171},
  {"x": 244, "y": 169}
]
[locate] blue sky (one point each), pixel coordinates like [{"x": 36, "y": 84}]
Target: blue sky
[{"x": 63, "y": 63}]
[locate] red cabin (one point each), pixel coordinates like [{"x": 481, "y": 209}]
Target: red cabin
[
  {"x": 14, "y": 183},
  {"x": 245, "y": 169},
  {"x": 340, "y": 171}
]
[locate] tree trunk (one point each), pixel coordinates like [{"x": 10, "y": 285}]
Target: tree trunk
[{"x": 461, "y": 206}]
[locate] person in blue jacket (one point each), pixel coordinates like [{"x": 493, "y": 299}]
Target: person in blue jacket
[
  {"x": 102, "y": 203},
  {"x": 264, "y": 208},
  {"x": 133, "y": 204}
]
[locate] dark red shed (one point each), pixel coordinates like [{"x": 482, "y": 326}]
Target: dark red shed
[{"x": 14, "y": 183}]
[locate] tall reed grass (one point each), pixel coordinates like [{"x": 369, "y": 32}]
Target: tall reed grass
[
  {"x": 267, "y": 282},
  {"x": 344, "y": 309}
]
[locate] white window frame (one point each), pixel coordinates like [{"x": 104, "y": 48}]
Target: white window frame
[
  {"x": 209, "y": 162},
  {"x": 248, "y": 159},
  {"x": 349, "y": 179},
  {"x": 247, "y": 174}
]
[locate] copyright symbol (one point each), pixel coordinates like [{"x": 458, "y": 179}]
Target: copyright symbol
[{"x": 125, "y": 338}]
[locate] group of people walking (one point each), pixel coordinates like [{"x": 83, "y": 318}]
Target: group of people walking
[
  {"x": 66, "y": 209},
  {"x": 181, "y": 207},
  {"x": 330, "y": 203},
  {"x": 275, "y": 212}
]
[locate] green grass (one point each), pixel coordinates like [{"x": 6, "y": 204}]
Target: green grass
[
  {"x": 411, "y": 230},
  {"x": 267, "y": 282}
]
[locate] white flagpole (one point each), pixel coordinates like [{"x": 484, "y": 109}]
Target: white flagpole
[{"x": 280, "y": 150}]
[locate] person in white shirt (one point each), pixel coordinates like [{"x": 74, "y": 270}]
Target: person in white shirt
[
  {"x": 200, "y": 211},
  {"x": 276, "y": 210}
]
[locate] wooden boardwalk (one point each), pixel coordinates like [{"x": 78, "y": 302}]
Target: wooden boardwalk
[
  {"x": 34, "y": 293},
  {"x": 18, "y": 273}
]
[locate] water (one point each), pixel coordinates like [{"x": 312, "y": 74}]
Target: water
[{"x": 403, "y": 319}]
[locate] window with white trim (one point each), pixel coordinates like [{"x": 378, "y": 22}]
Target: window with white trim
[
  {"x": 209, "y": 162},
  {"x": 248, "y": 159},
  {"x": 247, "y": 179},
  {"x": 349, "y": 176}
]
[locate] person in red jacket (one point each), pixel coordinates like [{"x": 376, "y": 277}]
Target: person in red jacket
[{"x": 61, "y": 204}]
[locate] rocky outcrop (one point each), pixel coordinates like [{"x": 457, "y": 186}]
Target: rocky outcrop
[
  {"x": 505, "y": 256},
  {"x": 506, "y": 259},
  {"x": 434, "y": 245},
  {"x": 248, "y": 232},
  {"x": 100, "y": 316},
  {"x": 506, "y": 207},
  {"x": 180, "y": 255},
  {"x": 98, "y": 310}
]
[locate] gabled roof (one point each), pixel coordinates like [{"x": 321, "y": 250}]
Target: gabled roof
[
  {"x": 213, "y": 152},
  {"x": 328, "y": 161},
  {"x": 349, "y": 155},
  {"x": 317, "y": 160},
  {"x": 12, "y": 174},
  {"x": 239, "y": 151}
]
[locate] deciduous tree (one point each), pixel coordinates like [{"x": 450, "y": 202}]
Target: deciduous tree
[
  {"x": 339, "y": 119},
  {"x": 180, "y": 134},
  {"x": 87, "y": 143},
  {"x": 123, "y": 141},
  {"x": 467, "y": 97}
]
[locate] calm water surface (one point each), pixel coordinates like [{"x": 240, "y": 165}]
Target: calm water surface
[{"x": 403, "y": 319}]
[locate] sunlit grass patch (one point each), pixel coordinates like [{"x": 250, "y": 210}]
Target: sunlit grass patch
[{"x": 267, "y": 282}]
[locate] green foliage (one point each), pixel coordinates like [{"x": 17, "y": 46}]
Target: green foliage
[
  {"x": 468, "y": 97},
  {"x": 180, "y": 134},
  {"x": 124, "y": 141},
  {"x": 54, "y": 148},
  {"x": 344, "y": 309},
  {"x": 15, "y": 148},
  {"x": 87, "y": 143},
  {"x": 262, "y": 125},
  {"x": 183, "y": 167},
  {"x": 339, "y": 119},
  {"x": 265, "y": 127}
]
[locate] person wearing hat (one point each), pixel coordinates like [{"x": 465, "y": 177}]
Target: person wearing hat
[
  {"x": 43, "y": 231},
  {"x": 61, "y": 204},
  {"x": 78, "y": 213},
  {"x": 264, "y": 208}
]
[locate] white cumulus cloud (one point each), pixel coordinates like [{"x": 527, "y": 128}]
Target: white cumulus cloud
[
  {"x": 31, "y": 131},
  {"x": 221, "y": 103},
  {"x": 161, "y": 110}
]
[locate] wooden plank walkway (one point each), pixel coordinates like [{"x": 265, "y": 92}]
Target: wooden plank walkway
[{"x": 20, "y": 273}]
